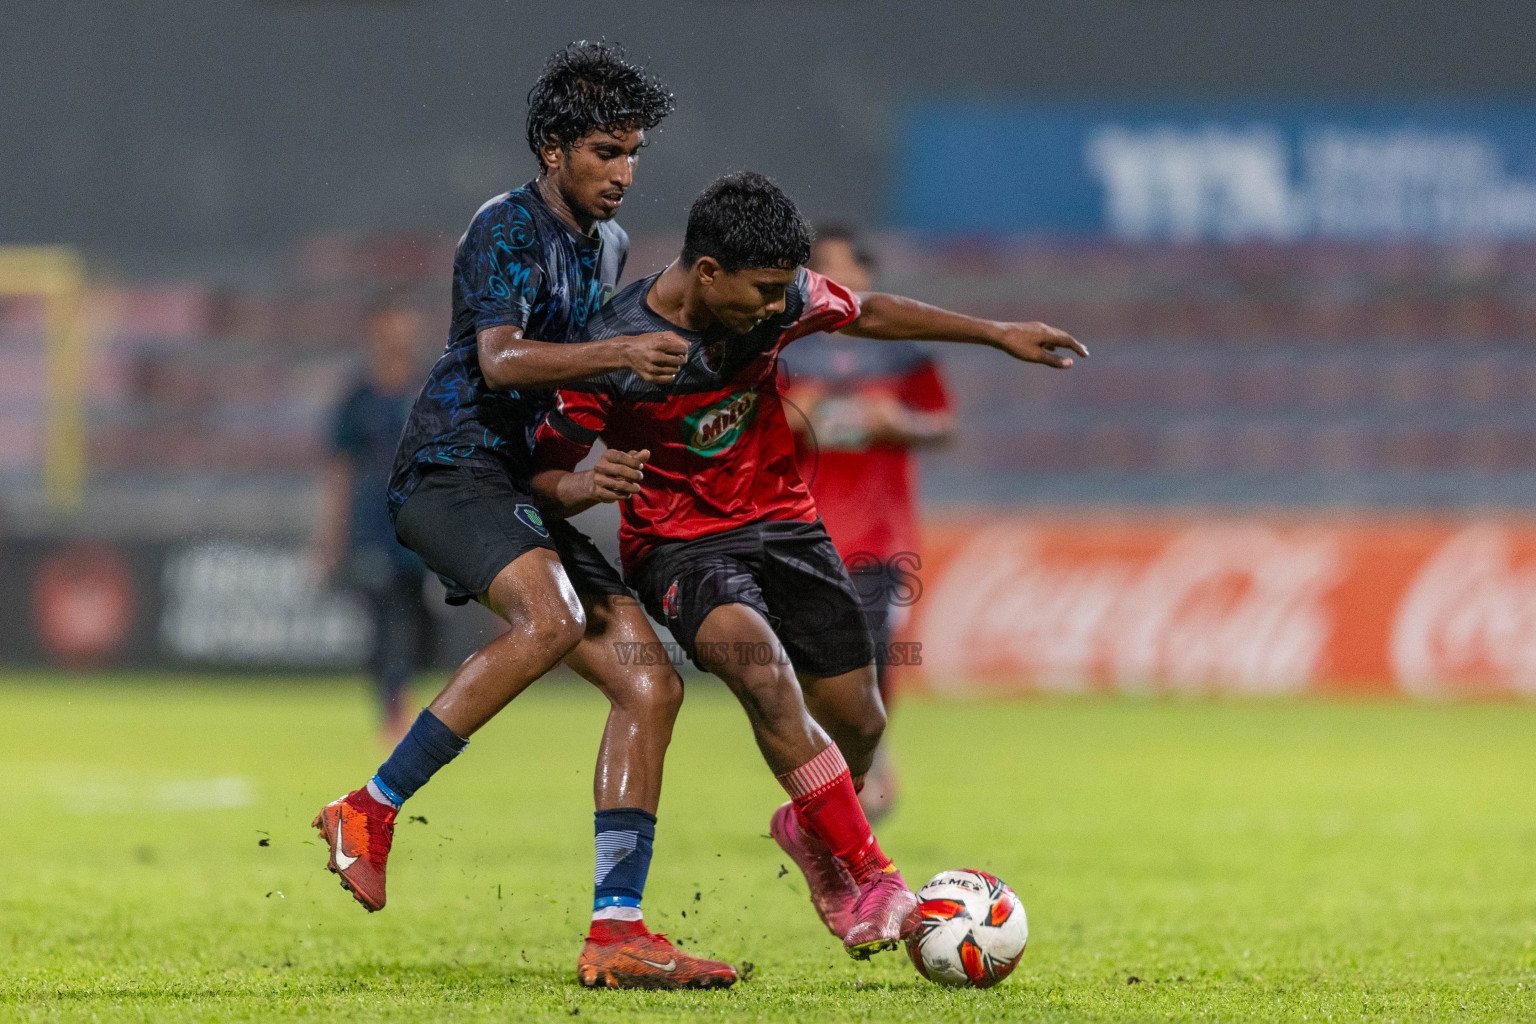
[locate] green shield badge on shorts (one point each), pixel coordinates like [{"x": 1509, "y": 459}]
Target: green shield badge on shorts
[{"x": 529, "y": 517}]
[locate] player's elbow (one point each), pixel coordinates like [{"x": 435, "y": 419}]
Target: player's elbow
[
  {"x": 501, "y": 352},
  {"x": 874, "y": 319},
  {"x": 500, "y": 374}
]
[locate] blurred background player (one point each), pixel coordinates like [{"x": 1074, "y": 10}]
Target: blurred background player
[
  {"x": 355, "y": 543},
  {"x": 859, "y": 409}
]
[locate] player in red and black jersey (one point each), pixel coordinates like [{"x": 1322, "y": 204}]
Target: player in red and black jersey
[
  {"x": 720, "y": 536},
  {"x": 860, "y": 409}
]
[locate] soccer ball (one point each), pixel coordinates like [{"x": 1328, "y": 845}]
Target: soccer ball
[{"x": 973, "y": 930}]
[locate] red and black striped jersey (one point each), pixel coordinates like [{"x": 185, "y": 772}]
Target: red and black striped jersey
[{"x": 722, "y": 454}]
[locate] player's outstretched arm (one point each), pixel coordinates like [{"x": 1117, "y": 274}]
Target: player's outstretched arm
[
  {"x": 560, "y": 491},
  {"x": 510, "y": 361},
  {"x": 895, "y": 317}
]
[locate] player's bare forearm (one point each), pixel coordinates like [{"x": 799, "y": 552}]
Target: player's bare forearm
[
  {"x": 918, "y": 429},
  {"x": 563, "y": 493},
  {"x": 896, "y": 318},
  {"x": 887, "y": 317},
  {"x": 509, "y": 361}
]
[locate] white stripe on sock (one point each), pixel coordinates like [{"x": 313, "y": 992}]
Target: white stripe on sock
[
  {"x": 613, "y": 847},
  {"x": 378, "y": 794},
  {"x": 817, "y": 773},
  {"x": 617, "y": 914}
]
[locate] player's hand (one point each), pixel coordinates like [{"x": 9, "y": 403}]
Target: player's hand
[
  {"x": 1035, "y": 342},
  {"x": 617, "y": 474},
  {"x": 885, "y": 418},
  {"x": 656, "y": 357}
]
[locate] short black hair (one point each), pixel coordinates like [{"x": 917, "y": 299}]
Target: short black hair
[
  {"x": 587, "y": 87},
  {"x": 744, "y": 221}
]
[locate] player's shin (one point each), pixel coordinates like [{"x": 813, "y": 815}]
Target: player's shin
[
  {"x": 428, "y": 746},
  {"x": 825, "y": 800}
]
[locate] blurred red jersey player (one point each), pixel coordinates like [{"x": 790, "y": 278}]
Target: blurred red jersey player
[{"x": 859, "y": 408}]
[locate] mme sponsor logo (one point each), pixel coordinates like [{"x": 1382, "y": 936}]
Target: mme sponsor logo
[{"x": 715, "y": 428}]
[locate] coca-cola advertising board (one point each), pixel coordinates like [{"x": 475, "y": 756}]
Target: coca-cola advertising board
[{"x": 1246, "y": 605}]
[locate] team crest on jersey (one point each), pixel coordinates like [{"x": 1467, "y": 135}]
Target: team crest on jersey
[
  {"x": 670, "y": 602},
  {"x": 712, "y": 430},
  {"x": 529, "y": 517}
]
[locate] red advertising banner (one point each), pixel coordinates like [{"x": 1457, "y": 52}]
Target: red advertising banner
[{"x": 1244, "y": 605}]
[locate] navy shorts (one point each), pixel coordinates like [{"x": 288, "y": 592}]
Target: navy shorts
[
  {"x": 470, "y": 522},
  {"x": 788, "y": 571}
]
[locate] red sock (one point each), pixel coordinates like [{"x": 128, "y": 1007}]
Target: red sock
[
  {"x": 608, "y": 932},
  {"x": 822, "y": 791}
]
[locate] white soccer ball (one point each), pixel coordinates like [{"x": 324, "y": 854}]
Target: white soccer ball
[{"x": 973, "y": 930}]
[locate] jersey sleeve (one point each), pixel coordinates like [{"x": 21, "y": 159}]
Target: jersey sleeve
[
  {"x": 572, "y": 427},
  {"x": 500, "y": 266},
  {"x": 923, "y": 388},
  {"x": 621, "y": 249},
  {"x": 827, "y": 306}
]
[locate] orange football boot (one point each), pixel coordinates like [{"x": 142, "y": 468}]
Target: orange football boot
[
  {"x": 359, "y": 831},
  {"x": 622, "y": 954}
]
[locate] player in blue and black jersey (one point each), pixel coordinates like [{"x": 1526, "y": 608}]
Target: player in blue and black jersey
[{"x": 535, "y": 263}]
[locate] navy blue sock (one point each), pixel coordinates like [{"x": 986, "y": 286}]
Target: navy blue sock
[
  {"x": 624, "y": 839},
  {"x": 427, "y": 747}
]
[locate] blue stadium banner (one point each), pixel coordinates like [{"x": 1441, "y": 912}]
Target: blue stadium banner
[{"x": 1220, "y": 172}]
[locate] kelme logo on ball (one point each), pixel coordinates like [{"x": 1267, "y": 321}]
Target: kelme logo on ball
[
  {"x": 530, "y": 518},
  {"x": 712, "y": 430}
]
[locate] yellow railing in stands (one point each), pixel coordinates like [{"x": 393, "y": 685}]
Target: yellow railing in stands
[{"x": 57, "y": 274}]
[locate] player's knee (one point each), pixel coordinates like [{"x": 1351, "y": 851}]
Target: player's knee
[
  {"x": 557, "y": 627},
  {"x": 655, "y": 692},
  {"x": 869, "y": 726},
  {"x": 666, "y": 693},
  {"x": 564, "y": 629},
  {"x": 870, "y": 720}
]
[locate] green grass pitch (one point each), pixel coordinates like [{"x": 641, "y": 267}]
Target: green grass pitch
[{"x": 1178, "y": 859}]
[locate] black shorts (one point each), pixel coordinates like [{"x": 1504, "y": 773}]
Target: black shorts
[
  {"x": 470, "y": 522},
  {"x": 788, "y": 571},
  {"x": 873, "y": 585}
]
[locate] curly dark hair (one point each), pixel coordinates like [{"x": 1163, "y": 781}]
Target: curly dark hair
[
  {"x": 587, "y": 87},
  {"x": 745, "y": 221}
]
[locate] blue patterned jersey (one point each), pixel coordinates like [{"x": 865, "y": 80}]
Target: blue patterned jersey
[{"x": 518, "y": 265}]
